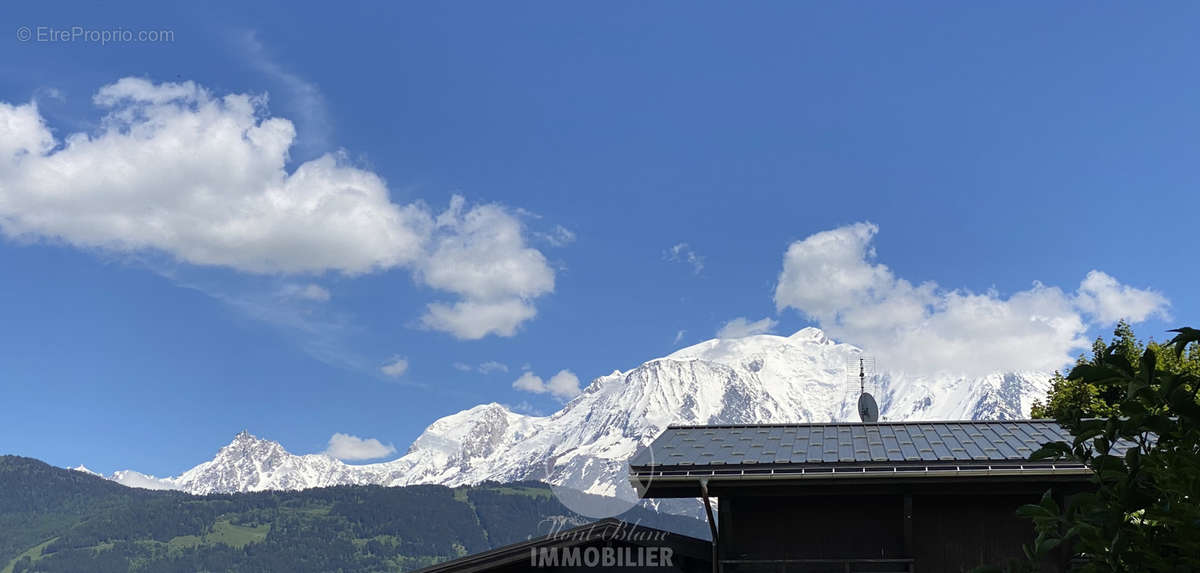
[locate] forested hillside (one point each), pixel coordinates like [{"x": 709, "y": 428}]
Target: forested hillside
[{"x": 57, "y": 520}]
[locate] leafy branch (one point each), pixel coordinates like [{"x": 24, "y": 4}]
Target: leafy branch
[{"x": 1144, "y": 511}]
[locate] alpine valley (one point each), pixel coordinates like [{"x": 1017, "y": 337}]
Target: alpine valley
[{"x": 584, "y": 446}]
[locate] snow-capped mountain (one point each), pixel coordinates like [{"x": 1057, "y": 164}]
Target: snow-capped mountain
[{"x": 584, "y": 446}]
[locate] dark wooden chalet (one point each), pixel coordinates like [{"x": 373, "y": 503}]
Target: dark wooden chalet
[{"x": 929, "y": 497}]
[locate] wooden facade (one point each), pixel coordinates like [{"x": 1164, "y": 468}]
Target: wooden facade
[{"x": 945, "y": 527}]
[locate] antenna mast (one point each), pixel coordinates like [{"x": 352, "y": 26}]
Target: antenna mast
[
  {"x": 868, "y": 408},
  {"x": 862, "y": 376}
]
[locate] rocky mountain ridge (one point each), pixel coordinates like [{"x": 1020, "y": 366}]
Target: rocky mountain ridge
[{"x": 585, "y": 445}]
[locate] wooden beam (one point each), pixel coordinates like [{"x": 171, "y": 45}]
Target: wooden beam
[{"x": 712, "y": 526}]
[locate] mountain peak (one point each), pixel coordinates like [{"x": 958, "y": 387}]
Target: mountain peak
[
  {"x": 735, "y": 350},
  {"x": 245, "y": 444},
  {"x": 811, "y": 334},
  {"x": 245, "y": 437},
  {"x": 84, "y": 469}
]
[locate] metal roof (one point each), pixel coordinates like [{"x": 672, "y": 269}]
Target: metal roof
[{"x": 980, "y": 443}]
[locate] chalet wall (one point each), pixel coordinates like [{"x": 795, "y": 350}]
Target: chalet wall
[
  {"x": 953, "y": 533},
  {"x": 814, "y": 527},
  {"x": 952, "y": 529}
]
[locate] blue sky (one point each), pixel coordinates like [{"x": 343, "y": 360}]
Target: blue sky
[{"x": 987, "y": 148}]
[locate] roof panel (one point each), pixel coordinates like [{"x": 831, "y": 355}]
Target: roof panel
[
  {"x": 846, "y": 452},
  {"x": 975, "y": 452},
  {"x": 814, "y": 453},
  {"x": 941, "y": 451},
  {"x": 878, "y": 452}
]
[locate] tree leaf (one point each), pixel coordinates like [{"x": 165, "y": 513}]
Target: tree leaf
[{"x": 1186, "y": 336}]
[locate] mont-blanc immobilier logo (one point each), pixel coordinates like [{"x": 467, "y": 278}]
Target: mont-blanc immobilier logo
[{"x": 626, "y": 545}]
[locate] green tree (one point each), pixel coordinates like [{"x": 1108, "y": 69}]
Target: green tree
[
  {"x": 1070, "y": 396},
  {"x": 1144, "y": 514},
  {"x": 1124, "y": 343}
]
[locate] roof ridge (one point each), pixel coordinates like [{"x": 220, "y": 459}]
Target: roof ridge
[{"x": 881, "y": 423}]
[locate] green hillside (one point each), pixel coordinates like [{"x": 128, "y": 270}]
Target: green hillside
[{"x": 57, "y": 520}]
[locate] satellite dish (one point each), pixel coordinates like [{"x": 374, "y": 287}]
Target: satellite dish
[{"x": 868, "y": 410}]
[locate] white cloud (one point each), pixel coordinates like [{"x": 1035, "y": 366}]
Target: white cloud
[
  {"x": 830, "y": 278},
  {"x": 178, "y": 170},
  {"x": 351, "y": 448},
  {"x": 684, "y": 254},
  {"x": 492, "y": 366},
  {"x": 741, "y": 326},
  {"x": 564, "y": 385},
  {"x": 484, "y": 368},
  {"x": 530, "y": 382},
  {"x": 679, "y": 336},
  {"x": 305, "y": 98},
  {"x": 472, "y": 320},
  {"x": 560, "y": 236},
  {"x": 524, "y": 407},
  {"x": 313, "y": 292},
  {"x": 481, "y": 255},
  {"x": 1109, "y": 301},
  {"x": 395, "y": 368},
  {"x": 24, "y": 133}
]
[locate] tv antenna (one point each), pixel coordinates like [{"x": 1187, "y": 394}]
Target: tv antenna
[{"x": 868, "y": 408}]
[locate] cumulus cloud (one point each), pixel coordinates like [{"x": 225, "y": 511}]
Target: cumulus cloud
[
  {"x": 481, "y": 255},
  {"x": 741, "y": 326},
  {"x": 472, "y": 320},
  {"x": 395, "y": 368},
  {"x": 1108, "y": 301},
  {"x": 564, "y": 385},
  {"x": 830, "y": 277},
  {"x": 177, "y": 169},
  {"x": 682, "y": 253},
  {"x": 310, "y": 291},
  {"x": 530, "y": 382},
  {"x": 351, "y": 448}
]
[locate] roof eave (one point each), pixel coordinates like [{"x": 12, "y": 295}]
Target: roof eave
[{"x": 647, "y": 487}]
